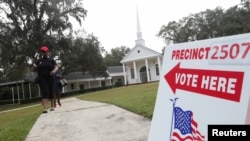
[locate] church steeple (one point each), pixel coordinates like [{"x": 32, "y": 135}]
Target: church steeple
[{"x": 139, "y": 40}]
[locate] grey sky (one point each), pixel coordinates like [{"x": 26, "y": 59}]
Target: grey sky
[{"x": 114, "y": 21}]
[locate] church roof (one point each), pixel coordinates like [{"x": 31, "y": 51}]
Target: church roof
[
  {"x": 78, "y": 75},
  {"x": 139, "y": 53},
  {"x": 85, "y": 75},
  {"x": 115, "y": 69}
]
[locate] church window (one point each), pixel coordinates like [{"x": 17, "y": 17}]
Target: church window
[
  {"x": 157, "y": 69},
  {"x": 132, "y": 73}
]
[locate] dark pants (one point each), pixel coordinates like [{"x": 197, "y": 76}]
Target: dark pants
[{"x": 46, "y": 86}]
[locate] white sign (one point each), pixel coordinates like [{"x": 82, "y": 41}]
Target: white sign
[{"x": 202, "y": 83}]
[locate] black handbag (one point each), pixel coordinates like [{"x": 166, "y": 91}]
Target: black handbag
[{"x": 63, "y": 82}]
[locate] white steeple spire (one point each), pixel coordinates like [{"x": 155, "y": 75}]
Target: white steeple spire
[{"x": 139, "y": 40}]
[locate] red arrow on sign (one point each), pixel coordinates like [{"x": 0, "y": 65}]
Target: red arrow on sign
[{"x": 216, "y": 83}]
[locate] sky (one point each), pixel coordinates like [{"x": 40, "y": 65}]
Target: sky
[{"x": 113, "y": 22}]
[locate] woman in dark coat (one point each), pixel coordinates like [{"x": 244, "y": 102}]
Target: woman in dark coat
[
  {"x": 57, "y": 88},
  {"x": 46, "y": 68}
]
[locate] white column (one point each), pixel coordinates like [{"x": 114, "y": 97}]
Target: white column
[
  {"x": 124, "y": 74},
  {"x": 23, "y": 91},
  {"x": 18, "y": 94},
  {"x": 30, "y": 91},
  {"x": 13, "y": 96},
  {"x": 78, "y": 87},
  {"x": 66, "y": 89},
  {"x": 135, "y": 71},
  {"x": 146, "y": 62},
  {"x": 159, "y": 64},
  {"x": 38, "y": 90}
]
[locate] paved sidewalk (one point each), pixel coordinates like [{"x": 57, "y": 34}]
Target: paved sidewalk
[{"x": 79, "y": 120}]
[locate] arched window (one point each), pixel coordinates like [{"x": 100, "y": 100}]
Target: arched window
[
  {"x": 157, "y": 69},
  {"x": 132, "y": 72}
]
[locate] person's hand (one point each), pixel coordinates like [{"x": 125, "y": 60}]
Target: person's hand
[
  {"x": 52, "y": 72},
  {"x": 34, "y": 67}
]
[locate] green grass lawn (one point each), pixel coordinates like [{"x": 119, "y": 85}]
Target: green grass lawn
[
  {"x": 139, "y": 99},
  {"x": 15, "y": 125}
]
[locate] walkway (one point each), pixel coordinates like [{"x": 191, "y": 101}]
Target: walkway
[{"x": 79, "y": 120}]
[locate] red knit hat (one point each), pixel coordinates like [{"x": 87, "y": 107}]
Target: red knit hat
[{"x": 44, "y": 48}]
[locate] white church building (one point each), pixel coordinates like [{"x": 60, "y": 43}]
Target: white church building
[{"x": 141, "y": 64}]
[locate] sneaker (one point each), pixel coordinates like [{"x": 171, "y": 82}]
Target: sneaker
[
  {"x": 45, "y": 111},
  {"x": 52, "y": 109}
]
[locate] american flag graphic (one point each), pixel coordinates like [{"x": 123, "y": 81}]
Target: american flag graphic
[{"x": 185, "y": 127}]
